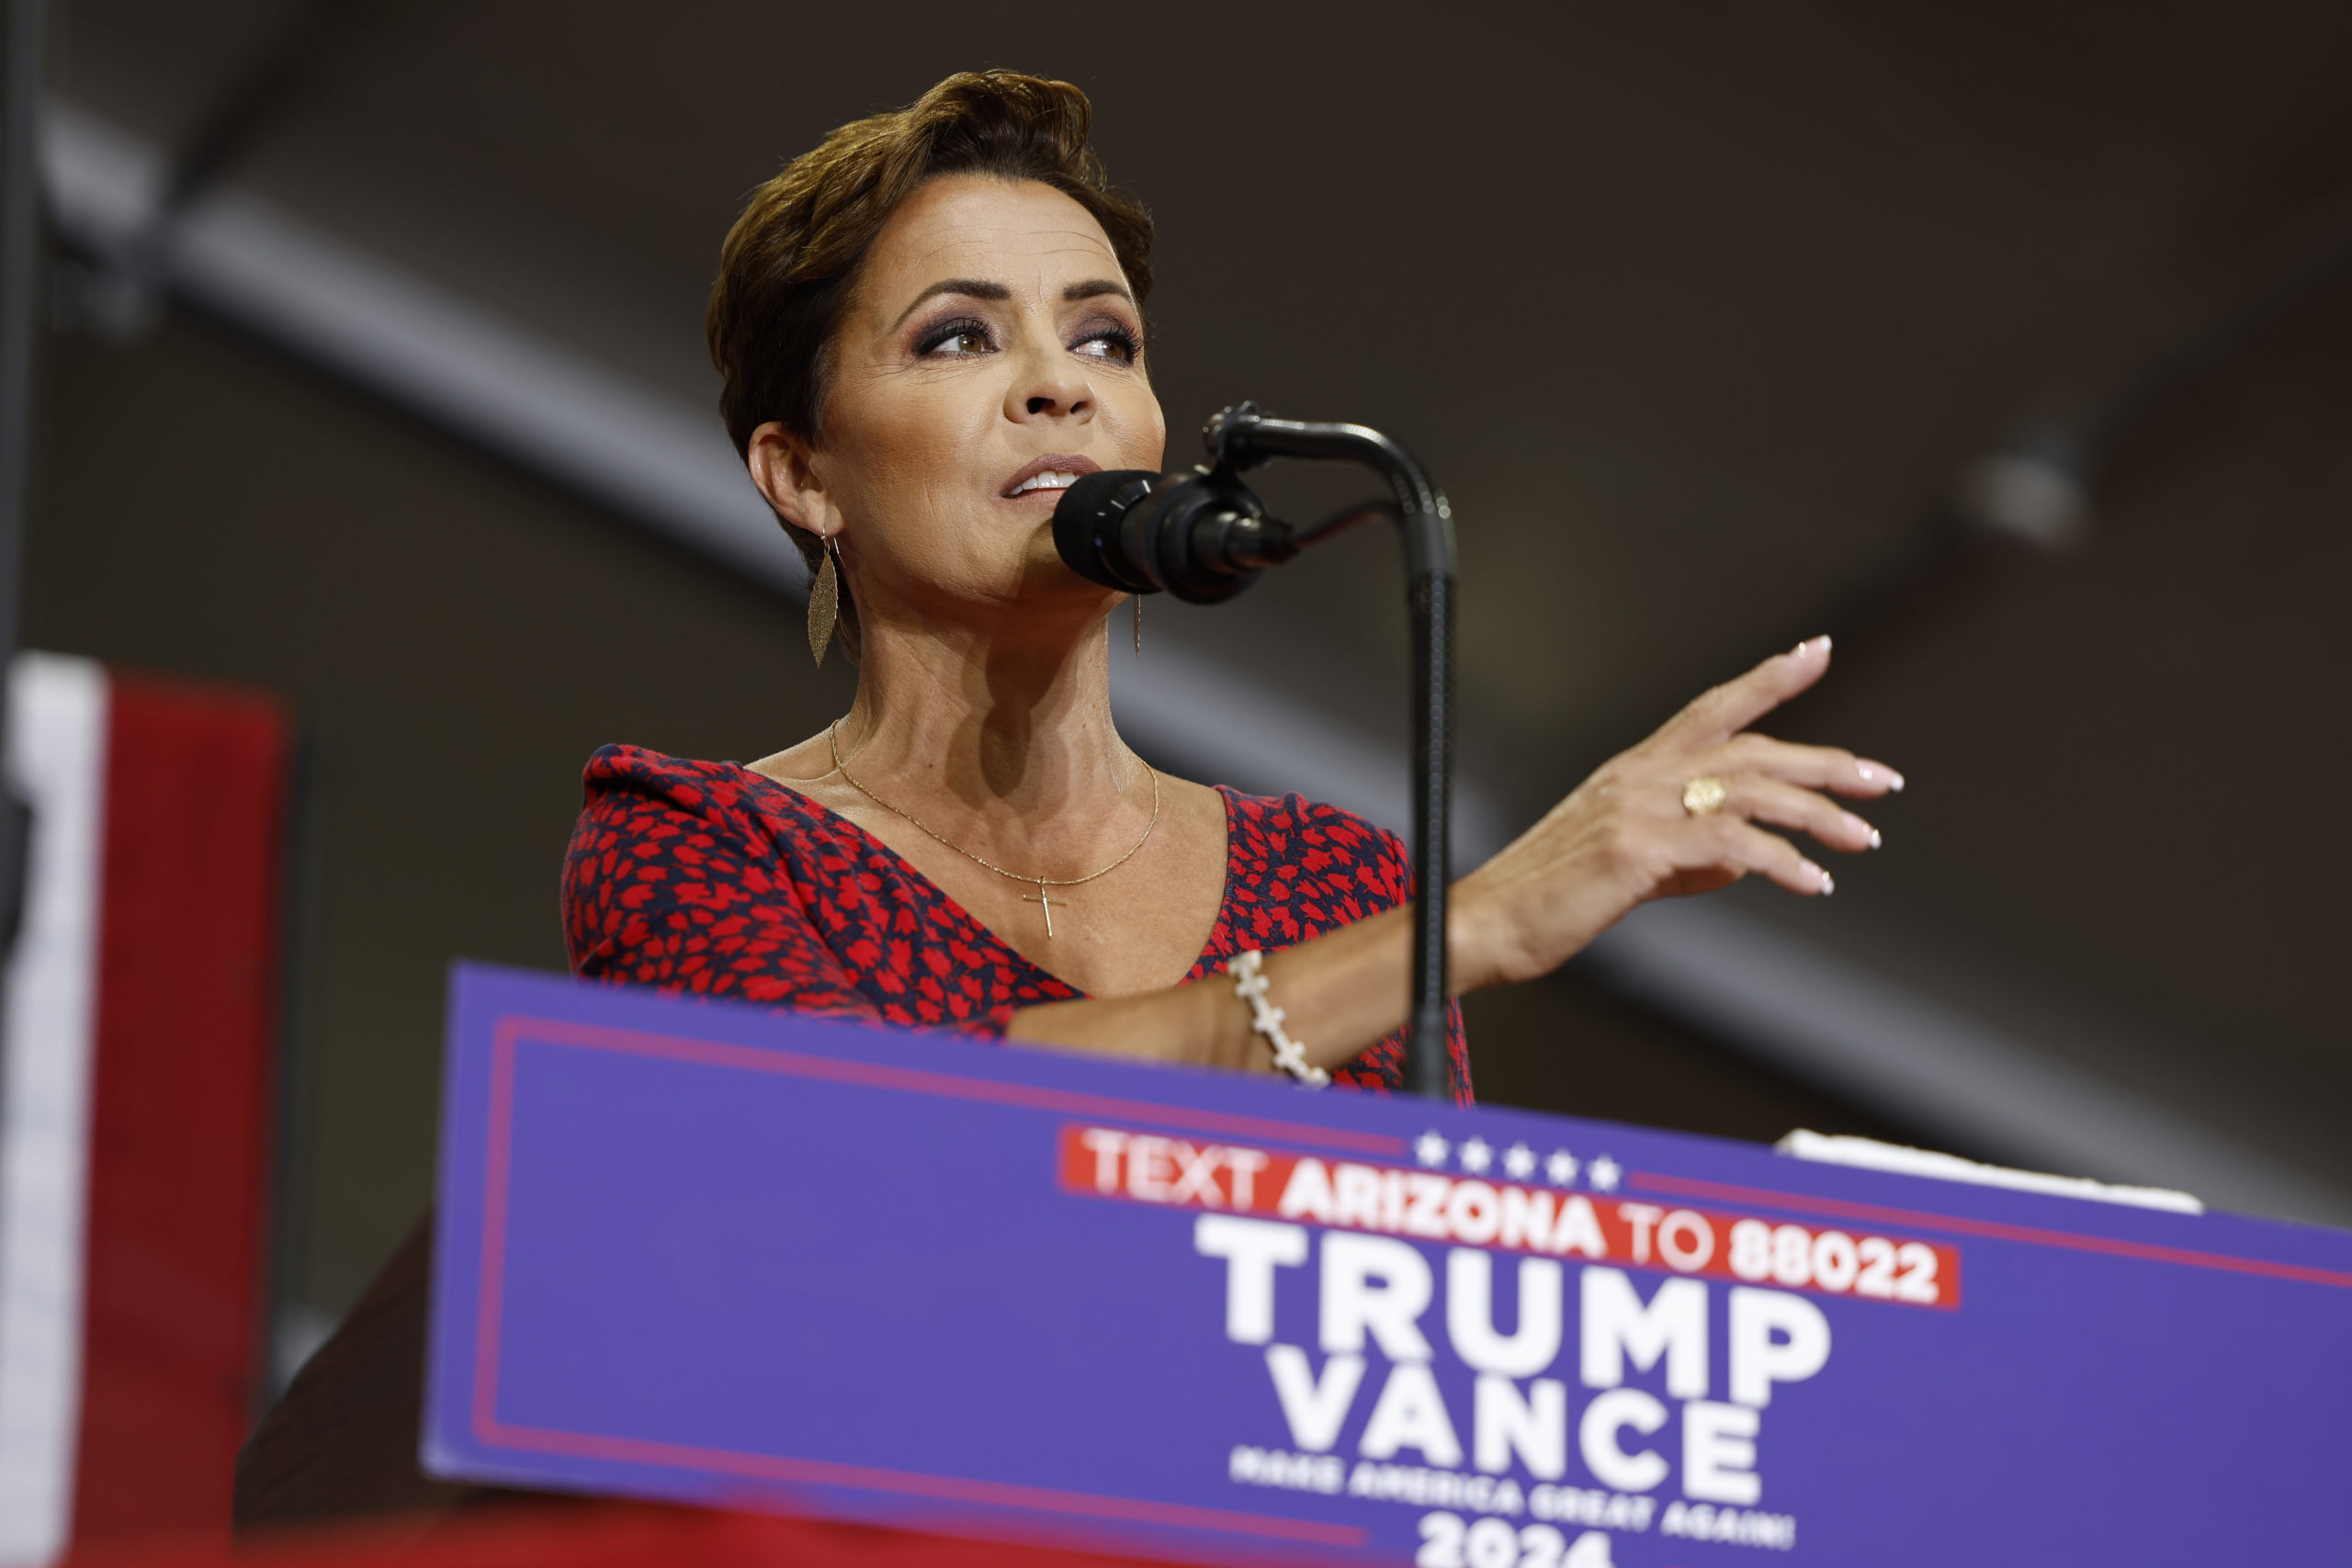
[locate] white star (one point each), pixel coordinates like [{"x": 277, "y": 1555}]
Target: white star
[
  {"x": 1605, "y": 1172},
  {"x": 1561, "y": 1167},
  {"x": 1476, "y": 1155},
  {"x": 1431, "y": 1150},
  {"x": 1519, "y": 1160}
]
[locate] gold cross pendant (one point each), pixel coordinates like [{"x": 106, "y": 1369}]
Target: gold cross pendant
[{"x": 1041, "y": 897}]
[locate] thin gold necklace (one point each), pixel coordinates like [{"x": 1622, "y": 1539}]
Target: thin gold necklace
[{"x": 1041, "y": 897}]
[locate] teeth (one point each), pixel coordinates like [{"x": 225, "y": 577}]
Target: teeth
[{"x": 1044, "y": 481}]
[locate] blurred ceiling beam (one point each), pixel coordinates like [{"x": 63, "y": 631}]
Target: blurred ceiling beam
[
  {"x": 2040, "y": 484},
  {"x": 2034, "y": 493},
  {"x": 647, "y": 457},
  {"x": 636, "y": 452},
  {"x": 127, "y": 288}
]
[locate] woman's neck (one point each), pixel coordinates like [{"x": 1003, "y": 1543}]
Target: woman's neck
[{"x": 1011, "y": 723}]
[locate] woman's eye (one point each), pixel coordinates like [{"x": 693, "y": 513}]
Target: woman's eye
[
  {"x": 1115, "y": 346},
  {"x": 954, "y": 339}
]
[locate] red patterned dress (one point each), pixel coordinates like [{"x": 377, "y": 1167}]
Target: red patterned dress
[{"x": 707, "y": 877}]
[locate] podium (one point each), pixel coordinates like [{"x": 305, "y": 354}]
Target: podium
[{"x": 705, "y": 1254}]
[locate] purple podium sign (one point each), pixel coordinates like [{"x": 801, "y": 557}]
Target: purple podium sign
[{"x": 702, "y": 1252}]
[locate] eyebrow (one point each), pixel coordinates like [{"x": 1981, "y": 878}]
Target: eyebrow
[
  {"x": 980, "y": 289},
  {"x": 970, "y": 287}
]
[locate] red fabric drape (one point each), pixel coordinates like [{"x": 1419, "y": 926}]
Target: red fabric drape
[{"x": 187, "y": 991}]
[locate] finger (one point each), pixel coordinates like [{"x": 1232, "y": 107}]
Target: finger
[
  {"x": 1762, "y": 799},
  {"x": 1717, "y": 714},
  {"x": 1738, "y": 845},
  {"x": 1815, "y": 767}
]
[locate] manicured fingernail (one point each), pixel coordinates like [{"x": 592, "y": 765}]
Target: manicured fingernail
[
  {"x": 1828, "y": 882},
  {"x": 1895, "y": 784},
  {"x": 1878, "y": 839}
]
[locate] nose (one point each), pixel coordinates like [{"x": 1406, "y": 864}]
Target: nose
[{"x": 1047, "y": 387}]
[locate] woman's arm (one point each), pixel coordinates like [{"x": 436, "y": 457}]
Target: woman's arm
[
  {"x": 1622, "y": 838},
  {"x": 1339, "y": 992}
]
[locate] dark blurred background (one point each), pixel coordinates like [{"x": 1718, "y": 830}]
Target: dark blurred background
[{"x": 2011, "y": 344}]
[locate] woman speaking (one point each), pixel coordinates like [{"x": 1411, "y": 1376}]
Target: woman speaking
[{"x": 927, "y": 328}]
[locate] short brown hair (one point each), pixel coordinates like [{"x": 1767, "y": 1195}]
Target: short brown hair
[{"x": 792, "y": 258}]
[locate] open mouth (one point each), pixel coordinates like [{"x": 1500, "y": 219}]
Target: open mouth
[{"x": 1055, "y": 472}]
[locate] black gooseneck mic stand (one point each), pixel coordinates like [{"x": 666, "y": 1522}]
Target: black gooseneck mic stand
[{"x": 1204, "y": 537}]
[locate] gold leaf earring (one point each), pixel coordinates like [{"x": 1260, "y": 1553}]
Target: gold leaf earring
[{"x": 825, "y": 605}]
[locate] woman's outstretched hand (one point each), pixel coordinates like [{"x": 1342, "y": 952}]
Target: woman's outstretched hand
[{"x": 1625, "y": 836}]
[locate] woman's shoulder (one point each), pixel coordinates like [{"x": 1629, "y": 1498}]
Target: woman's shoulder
[
  {"x": 1292, "y": 837},
  {"x": 702, "y": 876},
  {"x": 641, "y": 768},
  {"x": 710, "y": 828},
  {"x": 636, "y": 781}
]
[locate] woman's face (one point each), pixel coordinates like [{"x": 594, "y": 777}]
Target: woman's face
[{"x": 990, "y": 353}]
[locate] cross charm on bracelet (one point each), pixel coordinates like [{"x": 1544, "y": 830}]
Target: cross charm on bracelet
[{"x": 1041, "y": 897}]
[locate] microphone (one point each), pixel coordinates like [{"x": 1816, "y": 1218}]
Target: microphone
[{"x": 1203, "y": 536}]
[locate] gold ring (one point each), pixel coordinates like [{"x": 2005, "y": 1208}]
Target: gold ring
[{"x": 1704, "y": 796}]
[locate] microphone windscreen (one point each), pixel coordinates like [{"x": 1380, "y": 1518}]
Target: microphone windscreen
[{"x": 1087, "y": 533}]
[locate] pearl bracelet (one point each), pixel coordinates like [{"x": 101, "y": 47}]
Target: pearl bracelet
[{"x": 1249, "y": 984}]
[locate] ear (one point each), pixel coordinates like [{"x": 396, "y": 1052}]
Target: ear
[{"x": 783, "y": 466}]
